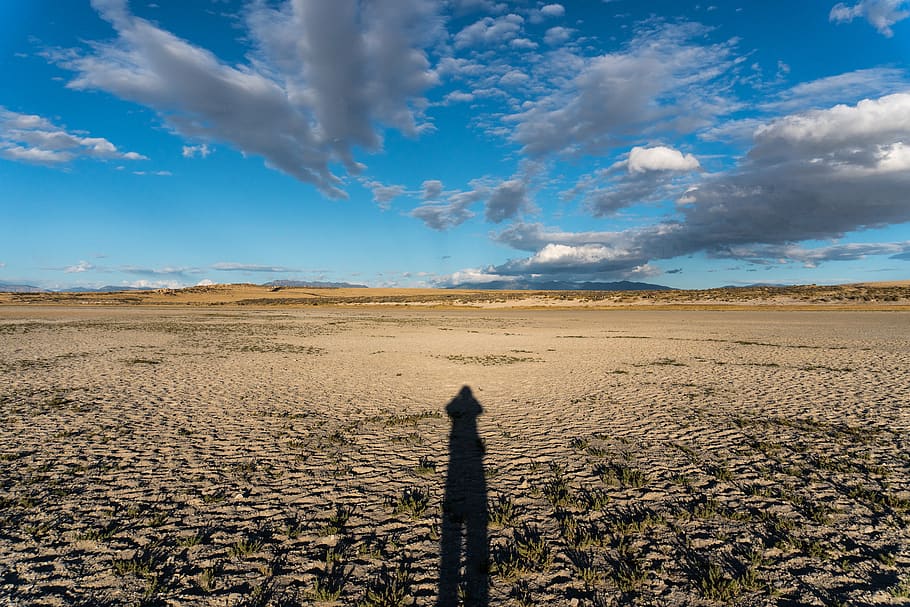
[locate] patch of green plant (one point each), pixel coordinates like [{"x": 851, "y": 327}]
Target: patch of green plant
[
  {"x": 205, "y": 580},
  {"x": 390, "y": 588},
  {"x": 245, "y": 547},
  {"x": 425, "y": 466},
  {"x": 338, "y": 519},
  {"x": 629, "y": 572},
  {"x": 490, "y": 360},
  {"x": 502, "y": 511},
  {"x": 413, "y": 501},
  {"x": 331, "y": 578},
  {"x": 714, "y": 584}
]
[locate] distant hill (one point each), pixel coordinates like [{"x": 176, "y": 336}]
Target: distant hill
[
  {"x": 562, "y": 285},
  {"x": 8, "y": 287},
  {"x": 312, "y": 284},
  {"x": 105, "y": 289}
]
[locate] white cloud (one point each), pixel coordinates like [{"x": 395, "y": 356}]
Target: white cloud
[
  {"x": 816, "y": 175},
  {"x": 322, "y": 79},
  {"x": 205, "y": 282},
  {"x": 191, "y": 151},
  {"x": 473, "y": 275},
  {"x": 490, "y": 31},
  {"x": 155, "y": 284},
  {"x": 848, "y": 87},
  {"x": 882, "y": 14},
  {"x": 553, "y": 10},
  {"x": 660, "y": 158},
  {"x": 523, "y": 44},
  {"x": 557, "y": 35},
  {"x": 458, "y": 97},
  {"x": 31, "y": 138},
  {"x": 82, "y": 266}
]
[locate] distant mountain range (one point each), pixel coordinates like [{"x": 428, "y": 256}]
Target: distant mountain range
[
  {"x": 312, "y": 284},
  {"x": 562, "y": 285},
  {"x": 8, "y": 287}
]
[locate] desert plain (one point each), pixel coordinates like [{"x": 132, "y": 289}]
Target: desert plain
[{"x": 194, "y": 449}]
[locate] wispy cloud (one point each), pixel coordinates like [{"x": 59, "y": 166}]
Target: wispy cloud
[
  {"x": 225, "y": 266},
  {"x": 882, "y": 14},
  {"x": 323, "y": 76}
]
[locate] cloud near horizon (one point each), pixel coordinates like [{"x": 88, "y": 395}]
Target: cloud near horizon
[{"x": 801, "y": 180}]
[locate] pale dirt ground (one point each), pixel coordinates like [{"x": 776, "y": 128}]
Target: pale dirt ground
[{"x": 197, "y": 456}]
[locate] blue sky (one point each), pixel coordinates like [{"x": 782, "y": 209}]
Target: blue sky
[{"x": 439, "y": 142}]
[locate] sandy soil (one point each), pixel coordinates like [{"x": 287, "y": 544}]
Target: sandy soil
[{"x": 299, "y": 456}]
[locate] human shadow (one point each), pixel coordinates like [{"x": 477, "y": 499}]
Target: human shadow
[{"x": 464, "y": 546}]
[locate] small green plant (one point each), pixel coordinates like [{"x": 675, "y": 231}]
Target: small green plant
[
  {"x": 245, "y": 547},
  {"x": 425, "y": 466},
  {"x": 521, "y": 593},
  {"x": 595, "y": 499},
  {"x": 557, "y": 490},
  {"x": 715, "y": 585},
  {"x": 331, "y": 578},
  {"x": 532, "y": 548},
  {"x": 390, "y": 588},
  {"x": 584, "y": 565},
  {"x": 721, "y": 472},
  {"x": 503, "y": 511},
  {"x": 188, "y": 541},
  {"x": 629, "y": 572},
  {"x": 338, "y": 519},
  {"x": 901, "y": 589},
  {"x": 413, "y": 501},
  {"x": 205, "y": 579}
]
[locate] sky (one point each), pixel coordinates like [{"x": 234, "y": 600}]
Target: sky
[{"x": 417, "y": 143}]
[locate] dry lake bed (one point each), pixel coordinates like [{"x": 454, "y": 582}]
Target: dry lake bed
[{"x": 329, "y": 455}]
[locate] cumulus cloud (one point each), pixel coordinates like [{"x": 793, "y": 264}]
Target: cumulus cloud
[
  {"x": 34, "y": 139},
  {"x": 557, "y": 35},
  {"x": 882, "y": 14},
  {"x": 660, "y": 158},
  {"x": 82, "y": 266},
  {"x": 553, "y": 10},
  {"x": 816, "y": 175},
  {"x": 647, "y": 174},
  {"x": 490, "y": 31},
  {"x": 323, "y": 76},
  {"x": 661, "y": 82}
]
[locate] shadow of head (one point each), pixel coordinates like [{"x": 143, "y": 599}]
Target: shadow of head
[{"x": 464, "y": 405}]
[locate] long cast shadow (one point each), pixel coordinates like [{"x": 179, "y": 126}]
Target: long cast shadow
[{"x": 464, "y": 546}]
